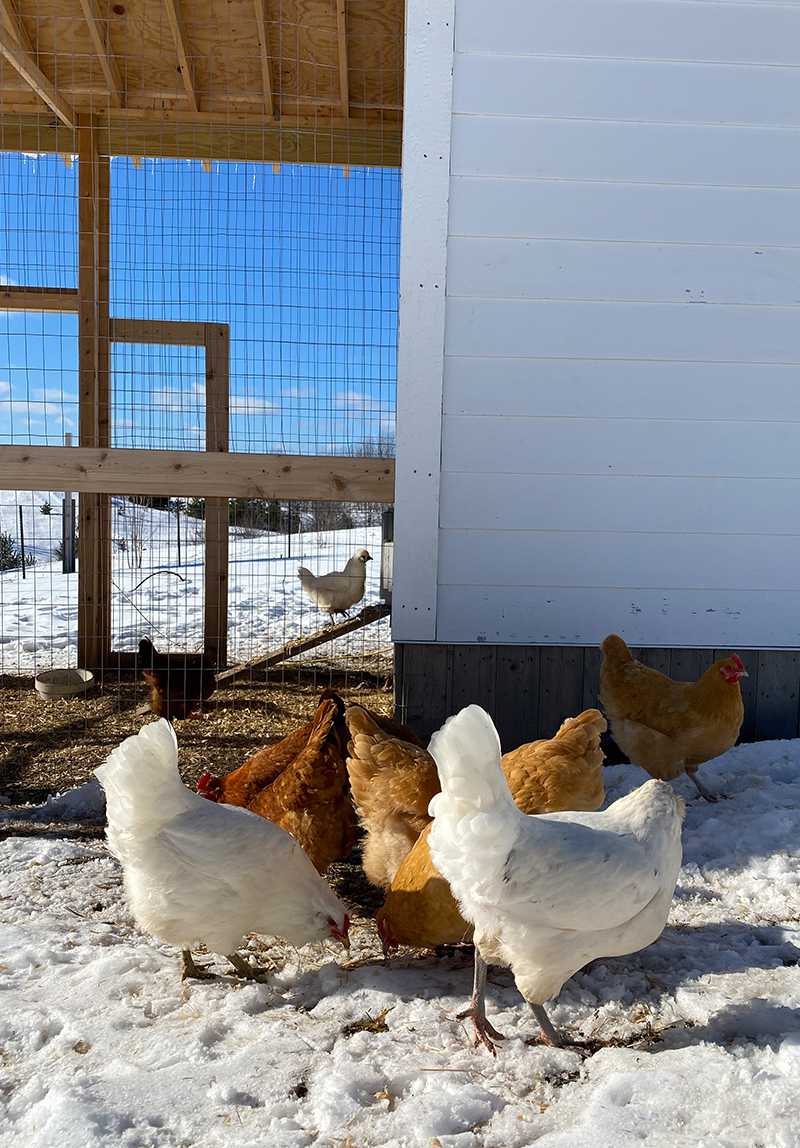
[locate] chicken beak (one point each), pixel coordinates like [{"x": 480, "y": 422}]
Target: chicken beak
[{"x": 743, "y": 674}]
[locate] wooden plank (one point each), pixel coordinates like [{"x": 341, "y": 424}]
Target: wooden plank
[
  {"x": 22, "y": 62},
  {"x": 657, "y": 658},
  {"x": 473, "y": 677},
  {"x": 94, "y": 530},
  {"x": 15, "y": 27},
  {"x": 360, "y": 144},
  {"x": 560, "y": 686},
  {"x": 490, "y": 267},
  {"x": 108, "y": 63},
  {"x": 608, "y": 89},
  {"x": 627, "y": 213},
  {"x": 689, "y": 665},
  {"x": 592, "y": 662},
  {"x": 301, "y": 645},
  {"x": 341, "y": 46},
  {"x": 516, "y": 694},
  {"x": 119, "y": 470},
  {"x": 263, "y": 48},
  {"x": 160, "y": 331},
  {"x": 729, "y": 33},
  {"x": 215, "y": 610},
  {"x": 621, "y": 330},
  {"x": 641, "y": 446},
  {"x": 175, "y": 17},
  {"x": 423, "y": 270},
  {"x": 215, "y": 627},
  {"x": 777, "y": 695},
  {"x": 38, "y": 299},
  {"x": 422, "y": 689}
]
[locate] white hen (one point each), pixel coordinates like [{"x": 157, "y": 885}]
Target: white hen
[
  {"x": 546, "y": 893},
  {"x": 338, "y": 591},
  {"x": 196, "y": 871}
]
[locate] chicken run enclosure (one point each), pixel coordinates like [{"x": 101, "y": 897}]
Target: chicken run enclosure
[{"x": 198, "y": 304}]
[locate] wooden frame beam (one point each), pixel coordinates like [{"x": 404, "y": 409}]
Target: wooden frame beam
[
  {"x": 38, "y": 299},
  {"x": 341, "y": 37},
  {"x": 23, "y": 63},
  {"x": 175, "y": 18},
  {"x": 95, "y": 22},
  {"x": 122, "y": 470},
  {"x": 195, "y": 136},
  {"x": 94, "y": 530},
  {"x": 263, "y": 44},
  {"x": 215, "y": 613},
  {"x": 14, "y": 25}
]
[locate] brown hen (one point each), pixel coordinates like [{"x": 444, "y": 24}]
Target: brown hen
[{"x": 300, "y": 783}]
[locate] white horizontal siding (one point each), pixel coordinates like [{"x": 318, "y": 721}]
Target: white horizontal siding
[
  {"x": 513, "y": 446},
  {"x": 658, "y": 92},
  {"x": 703, "y": 332},
  {"x": 616, "y": 504},
  {"x": 734, "y": 32},
  {"x": 644, "y": 213},
  {"x": 610, "y": 389},
  {"x": 735, "y": 619},
  {"x": 732, "y": 156},
  {"x": 621, "y": 392},
  {"x": 486, "y": 267},
  {"x": 679, "y": 561}
]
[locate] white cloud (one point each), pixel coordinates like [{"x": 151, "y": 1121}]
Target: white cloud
[
  {"x": 7, "y": 281},
  {"x": 5, "y": 389},
  {"x": 249, "y": 405}
]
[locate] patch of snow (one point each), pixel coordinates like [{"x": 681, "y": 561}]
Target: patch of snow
[
  {"x": 103, "y": 1045},
  {"x": 163, "y": 599}
]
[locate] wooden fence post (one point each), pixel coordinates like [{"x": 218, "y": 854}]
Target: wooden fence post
[{"x": 94, "y": 532}]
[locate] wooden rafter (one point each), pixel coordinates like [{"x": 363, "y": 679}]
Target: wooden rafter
[
  {"x": 263, "y": 44},
  {"x": 13, "y": 23},
  {"x": 91, "y": 14},
  {"x": 344, "y": 79},
  {"x": 23, "y": 63},
  {"x": 176, "y": 23}
]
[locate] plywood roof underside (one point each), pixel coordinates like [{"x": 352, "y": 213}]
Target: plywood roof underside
[{"x": 284, "y": 79}]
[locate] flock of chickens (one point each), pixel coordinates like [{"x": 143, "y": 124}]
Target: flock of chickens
[{"x": 508, "y": 851}]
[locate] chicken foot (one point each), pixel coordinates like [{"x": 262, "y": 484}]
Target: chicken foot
[
  {"x": 485, "y": 1033},
  {"x": 193, "y": 971},
  {"x": 549, "y": 1033},
  {"x": 701, "y": 789},
  {"x": 244, "y": 969}
]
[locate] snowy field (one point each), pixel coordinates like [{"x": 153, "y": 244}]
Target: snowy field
[
  {"x": 266, "y": 606},
  {"x": 695, "y": 1041}
]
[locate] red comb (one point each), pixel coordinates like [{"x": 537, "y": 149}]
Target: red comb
[
  {"x": 207, "y": 784},
  {"x": 737, "y": 661}
]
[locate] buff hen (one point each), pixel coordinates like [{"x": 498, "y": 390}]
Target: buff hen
[
  {"x": 669, "y": 727},
  {"x": 559, "y": 773},
  {"x": 392, "y": 779},
  {"x": 300, "y": 783}
]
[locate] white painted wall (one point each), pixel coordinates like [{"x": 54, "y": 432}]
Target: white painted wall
[{"x": 620, "y": 396}]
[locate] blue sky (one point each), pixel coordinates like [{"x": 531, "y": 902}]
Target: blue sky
[{"x": 301, "y": 261}]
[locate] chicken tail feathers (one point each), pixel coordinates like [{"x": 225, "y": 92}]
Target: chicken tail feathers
[
  {"x": 475, "y": 819},
  {"x": 615, "y": 649},
  {"x": 143, "y": 787}
]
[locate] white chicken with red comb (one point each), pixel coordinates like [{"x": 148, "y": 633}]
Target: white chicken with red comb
[{"x": 198, "y": 872}]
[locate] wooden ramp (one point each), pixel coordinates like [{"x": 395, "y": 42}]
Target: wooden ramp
[{"x": 309, "y": 642}]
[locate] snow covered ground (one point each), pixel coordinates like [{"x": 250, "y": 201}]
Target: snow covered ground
[
  {"x": 266, "y": 606},
  {"x": 699, "y": 1034}
]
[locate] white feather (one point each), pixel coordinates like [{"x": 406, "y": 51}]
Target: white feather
[
  {"x": 196, "y": 871},
  {"x": 548, "y": 893}
]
